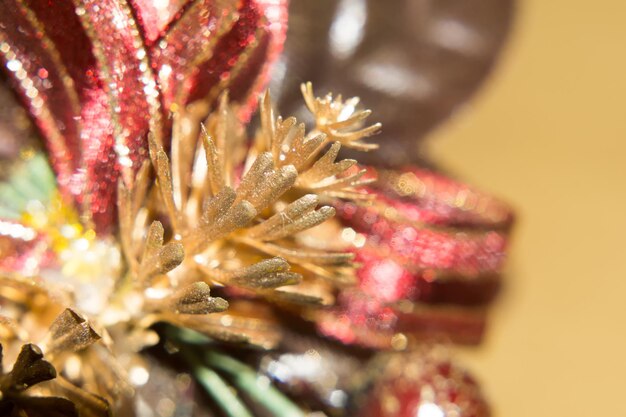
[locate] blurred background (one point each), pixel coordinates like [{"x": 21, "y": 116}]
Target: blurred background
[{"x": 547, "y": 132}]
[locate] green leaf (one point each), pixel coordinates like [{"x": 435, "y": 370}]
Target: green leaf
[{"x": 32, "y": 179}]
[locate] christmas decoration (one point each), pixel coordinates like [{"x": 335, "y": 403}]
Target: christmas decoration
[
  {"x": 171, "y": 260},
  {"x": 423, "y": 384}
]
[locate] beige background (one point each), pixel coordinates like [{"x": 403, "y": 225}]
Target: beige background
[{"x": 548, "y": 133}]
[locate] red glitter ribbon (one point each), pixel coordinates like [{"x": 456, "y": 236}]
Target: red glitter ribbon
[
  {"x": 97, "y": 76},
  {"x": 430, "y": 261}
]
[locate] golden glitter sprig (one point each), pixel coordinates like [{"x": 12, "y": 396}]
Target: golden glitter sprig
[
  {"x": 238, "y": 217},
  {"x": 340, "y": 121},
  {"x": 29, "y": 370},
  {"x": 33, "y": 386}
]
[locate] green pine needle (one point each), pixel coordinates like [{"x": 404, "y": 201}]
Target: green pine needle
[
  {"x": 244, "y": 378},
  {"x": 216, "y": 387},
  {"x": 247, "y": 380}
]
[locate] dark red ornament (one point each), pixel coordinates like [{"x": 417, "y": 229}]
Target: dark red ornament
[
  {"x": 422, "y": 384},
  {"x": 413, "y": 62}
]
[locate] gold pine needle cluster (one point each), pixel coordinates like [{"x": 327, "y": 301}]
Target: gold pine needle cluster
[
  {"x": 225, "y": 214},
  {"x": 212, "y": 211},
  {"x": 35, "y": 387}
]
